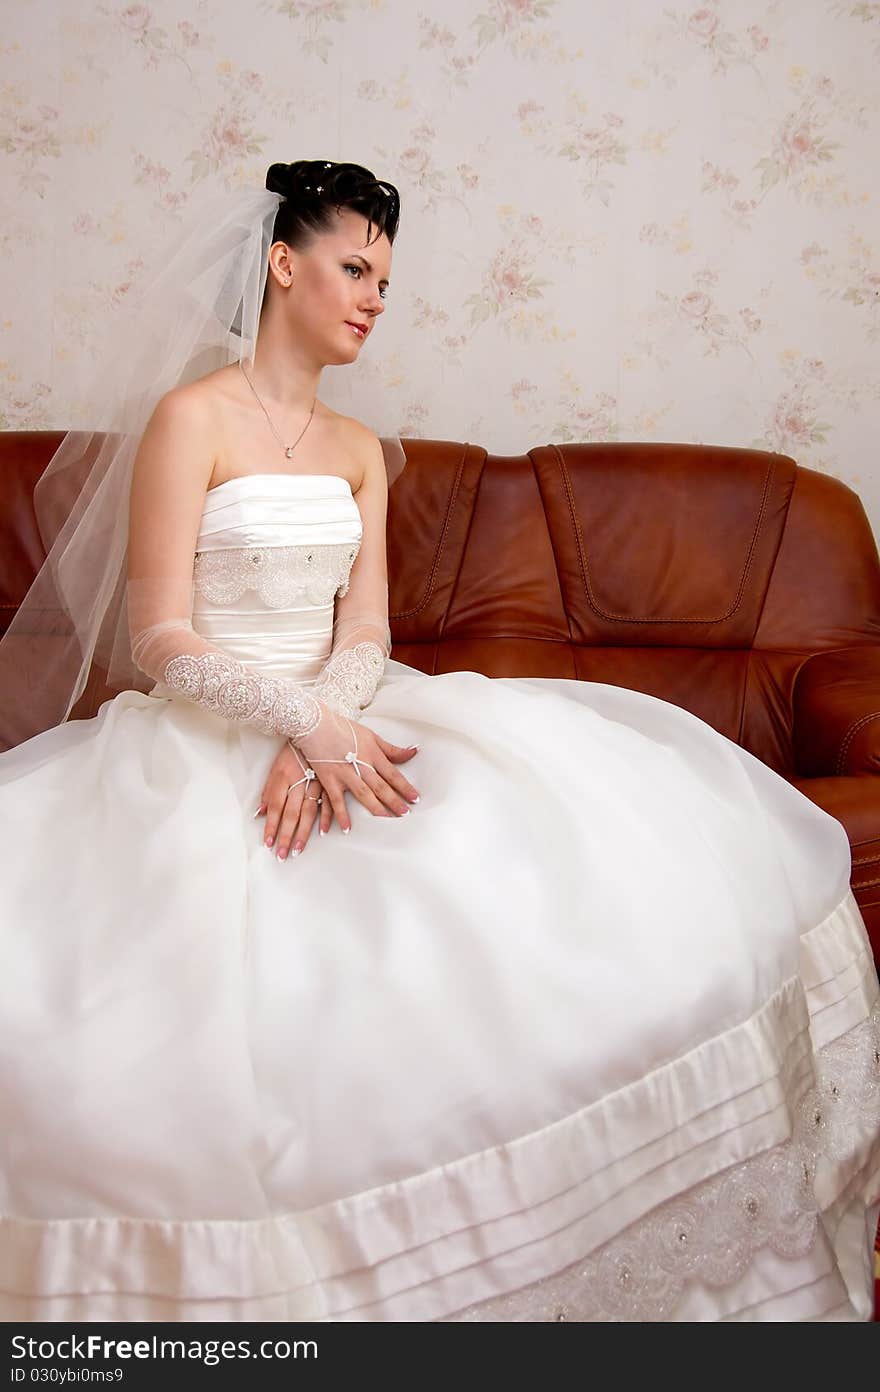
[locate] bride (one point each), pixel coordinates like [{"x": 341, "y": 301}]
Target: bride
[{"x": 471, "y": 1068}]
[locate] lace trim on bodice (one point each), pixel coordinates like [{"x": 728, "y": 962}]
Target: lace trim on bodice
[
  {"x": 280, "y": 575},
  {"x": 712, "y": 1233}
]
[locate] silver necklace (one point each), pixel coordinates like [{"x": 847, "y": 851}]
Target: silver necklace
[{"x": 288, "y": 449}]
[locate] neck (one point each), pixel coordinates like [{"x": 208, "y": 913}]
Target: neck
[{"x": 283, "y": 372}]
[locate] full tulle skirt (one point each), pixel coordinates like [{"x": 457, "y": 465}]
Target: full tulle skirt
[{"x": 551, "y": 1046}]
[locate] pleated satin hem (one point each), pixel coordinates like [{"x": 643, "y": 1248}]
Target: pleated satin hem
[{"x": 504, "y": 1219}]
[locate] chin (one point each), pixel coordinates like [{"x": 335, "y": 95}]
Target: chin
[
  {"x": 337, "y": 360},
  {"x": 338, "y": 356}
]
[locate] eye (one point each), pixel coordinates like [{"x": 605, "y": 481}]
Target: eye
[{"x": 359, "y": 270}]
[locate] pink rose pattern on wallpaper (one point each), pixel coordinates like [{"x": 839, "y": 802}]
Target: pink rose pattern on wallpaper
[
  {"x": 228, "y": 136},
  {"x": 28, "y": 133},
  {"x": 156, "y": 43},
  {"x": 727, "y": 39},
  {"x": 642, "y": 221}
]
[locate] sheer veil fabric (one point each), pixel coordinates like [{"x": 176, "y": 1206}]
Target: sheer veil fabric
[
  {"x": 197, "y": 309},
  {"x": 593, "y": 1034}
]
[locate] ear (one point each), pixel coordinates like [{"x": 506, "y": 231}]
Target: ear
[{"x": 280, "y": 263}]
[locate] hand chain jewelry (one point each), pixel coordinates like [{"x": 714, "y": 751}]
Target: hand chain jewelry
[
  {"x": 350, "y": 758},
  {"x": 309, "y": 776}
]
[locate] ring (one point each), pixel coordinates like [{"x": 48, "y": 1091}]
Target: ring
[{"x": 311, "y": 798}]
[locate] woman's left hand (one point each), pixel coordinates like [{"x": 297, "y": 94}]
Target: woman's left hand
[{"x": 290, "y": 816}]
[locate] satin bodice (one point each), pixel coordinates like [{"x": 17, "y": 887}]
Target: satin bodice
[{"x": 273, "y": 553}]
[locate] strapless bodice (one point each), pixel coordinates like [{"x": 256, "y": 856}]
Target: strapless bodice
[{"x": 273, "y": 552}]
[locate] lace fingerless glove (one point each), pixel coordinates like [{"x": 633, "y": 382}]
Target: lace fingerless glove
[
  {"x": 221, "y": 684},
  {"x": 349, "y": 679}
]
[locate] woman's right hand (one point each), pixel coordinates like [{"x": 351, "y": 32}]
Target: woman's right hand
[{"x": 381, "y": 788}]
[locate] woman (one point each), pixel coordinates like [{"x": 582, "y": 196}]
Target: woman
[{"x": 464, "y": 1069}]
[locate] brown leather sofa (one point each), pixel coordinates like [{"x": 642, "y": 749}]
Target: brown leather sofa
[{"x": 731, "y": 582}]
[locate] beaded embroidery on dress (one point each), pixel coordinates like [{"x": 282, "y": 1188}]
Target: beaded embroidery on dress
[
  {"x": 278, "y": 574},
  {"x": 712, "y": 1234},
  {"x": 459, "y": 1065}
]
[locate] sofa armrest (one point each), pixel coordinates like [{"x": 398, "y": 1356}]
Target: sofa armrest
[{"x": 836, "y": 713}]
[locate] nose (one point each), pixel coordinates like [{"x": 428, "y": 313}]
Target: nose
[{"x": 373, "y": 303}]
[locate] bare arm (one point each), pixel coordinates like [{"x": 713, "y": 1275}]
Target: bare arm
[
  {"x": 361, "y": 635},
  {"x": 171, "y": 474}
]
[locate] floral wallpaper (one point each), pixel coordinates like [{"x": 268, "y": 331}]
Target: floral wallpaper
[{"x": 622, "y": 219}]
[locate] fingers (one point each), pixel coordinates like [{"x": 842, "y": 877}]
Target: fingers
[
  {"x": 397, "y": 753},
  {"x": 301, "y": 812},
  {"x": 398, "y": 781},
  {"x": 309, "y": 812},
  {"x": 334, "y": 792},
  {"x": 364, "y": 789},
  {"x": 290, "y": 817},
  {"x": 273, "y": 804},
  {"x": 384, "y": 785},
  {"x": 278, "y": 803},
  {"x": 288, "y": 826},
  {"x": 378, "y": 786},
  {"x": 385, "y": 792}
]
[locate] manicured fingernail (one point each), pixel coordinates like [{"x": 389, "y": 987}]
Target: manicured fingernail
[
  {"x": 416, "y": 747},
  {"x": 322, "y": 832},
  {"x": 296, "y": 850},
  {"x": 404, "y": 812},
  {"x": 417, "y": 798},
  {"x": 346, "y": 830},
  {"x": 269, "y": 840}
]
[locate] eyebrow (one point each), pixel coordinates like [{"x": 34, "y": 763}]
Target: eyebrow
[{"x": 356, "y": 256}]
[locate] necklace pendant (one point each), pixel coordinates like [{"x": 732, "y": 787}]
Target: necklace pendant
[{"x": 289, "y": 451}]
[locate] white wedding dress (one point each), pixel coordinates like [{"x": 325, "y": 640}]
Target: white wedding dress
[{"x": 591, "y": 1034}]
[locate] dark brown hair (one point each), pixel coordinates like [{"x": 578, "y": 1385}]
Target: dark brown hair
[{"x": 314, "y": 189}]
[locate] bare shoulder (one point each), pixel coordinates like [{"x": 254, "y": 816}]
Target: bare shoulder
[
  {"x": 360, "y": 445},
  {"x": 204, "y": 397},
  {"x": 180, "y": 436},
  {"x": 189, "y": 406}
]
